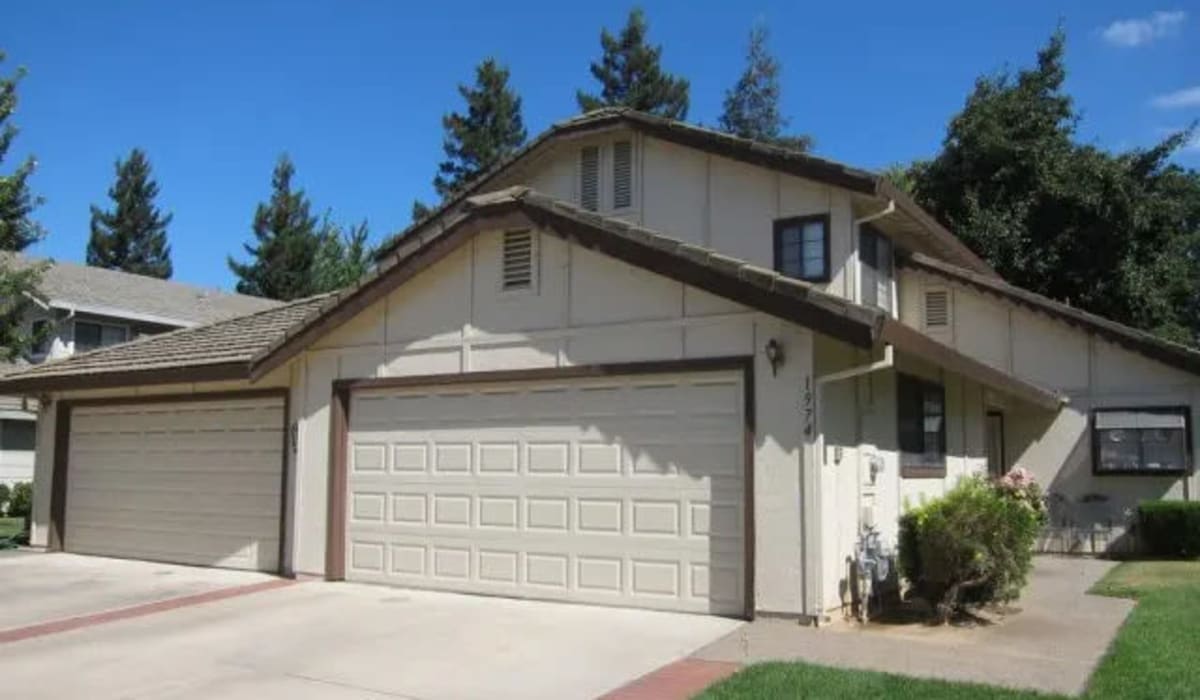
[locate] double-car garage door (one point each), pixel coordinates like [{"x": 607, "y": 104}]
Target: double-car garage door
[
  {"x": 615, "y": 490},
  {"x": 191, "y": 482}
]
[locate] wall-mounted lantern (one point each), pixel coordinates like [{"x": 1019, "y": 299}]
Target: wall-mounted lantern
[{"x": 774, "y": 353}]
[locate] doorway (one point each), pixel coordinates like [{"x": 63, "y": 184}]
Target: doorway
[{"x": 994, "y": 440}]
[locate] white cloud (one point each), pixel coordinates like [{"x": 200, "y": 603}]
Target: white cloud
[
  {"x": 1128, "y": 33},
  {"x": 1187, "y": 97}
]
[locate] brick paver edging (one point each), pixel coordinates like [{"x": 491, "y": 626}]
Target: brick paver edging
[{"x": 675, "y": 681}]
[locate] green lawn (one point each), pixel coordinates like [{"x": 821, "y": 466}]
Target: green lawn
[
  {"x": 10, "y": 527},
  {"x": 1156, "y": 656}
]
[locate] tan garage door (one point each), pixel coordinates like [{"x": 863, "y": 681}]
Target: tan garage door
[
  {"x": 624, "y": 491},
  {"x": 194, "y": 482}
]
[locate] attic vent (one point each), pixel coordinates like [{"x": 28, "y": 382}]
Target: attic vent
[
  {"x": 622, "y": 175},
  {"x": 937, "y": 308},
  {"x": 589, "y": 178},
  {"x": 518, "y": 261}
]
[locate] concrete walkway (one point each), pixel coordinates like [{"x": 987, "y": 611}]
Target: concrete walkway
[{"x": 1053, "y": 643}]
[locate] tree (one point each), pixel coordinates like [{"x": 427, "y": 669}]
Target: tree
[
  {"x": 133, "y": 236},
  {"x": 420, "y": 210},
  {"x": 630, "y": 74},
  {"x": 1113, "y": 233},
  {"x": 751, "y": 108},
  {"x": 343, "y": 257},
  {"x": 17, "y": 230},
  {"x": 287, "y": 238},
  {"x": 489, "y": 131}
]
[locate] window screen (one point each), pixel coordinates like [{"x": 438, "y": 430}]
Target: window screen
[
  {"x": 1141, "y": 441},
  {"x": 802, "y": 248}
]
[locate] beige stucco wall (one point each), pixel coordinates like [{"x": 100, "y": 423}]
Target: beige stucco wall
[
  {"x": 1091, "y": 372},
  {"x": 588, "y": 308}
]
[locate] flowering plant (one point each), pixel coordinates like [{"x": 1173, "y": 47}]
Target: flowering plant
[{"x": 1020, "y": 485}]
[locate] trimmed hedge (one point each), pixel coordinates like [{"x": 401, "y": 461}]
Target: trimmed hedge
[{"x": 1170, "y": 528}]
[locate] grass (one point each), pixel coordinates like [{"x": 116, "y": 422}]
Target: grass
[
  {"x": 10, "y": 527},
  {"x": 1153, "y": 657}
]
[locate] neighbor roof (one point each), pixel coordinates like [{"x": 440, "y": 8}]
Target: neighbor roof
[
  {"x": 216, "y": 351},
  {"x": 123, "y": 295},
  {"x": 916, "y": 224},
  {"x": 1172, "y": 354}
]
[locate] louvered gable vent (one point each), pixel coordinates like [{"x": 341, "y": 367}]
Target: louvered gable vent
[
  {"x": 622, "y": 175},
  {"x": 518, "y": 261},
  {"x": 937, "y": 308},
  {"x": 589, "y": 178}
]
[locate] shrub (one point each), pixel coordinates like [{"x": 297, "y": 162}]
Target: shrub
[
  {"x": 974, "y": 545},
  {"x": 4, "y": 496},
  {"x": 20, "y": 504},
  {"x": 1170, "y": 528}
]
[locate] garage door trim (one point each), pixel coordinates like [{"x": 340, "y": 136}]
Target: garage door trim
[
  {"x": 55, "y": 540},
  {"x": 339, "y": 435}
]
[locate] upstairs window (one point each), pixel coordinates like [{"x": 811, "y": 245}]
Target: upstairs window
[
  {"x": 519, "y": 260},
  {"x": 90, "y": 335},
  {"x": 41, "y": 337},
  {"x": 622, "y": 175},
  {"x": 802, "y": 247},
  {"x": 1141, "y": 441},
  {"x": 875, "y": 268},
  {"x": 921, "y": 425},
  {"x": 589, "y": 178}
]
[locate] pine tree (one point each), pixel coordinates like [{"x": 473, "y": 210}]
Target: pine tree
[
  {"x": 343, "y": 257},
  {"x": 489, "y": 131},
  {"x": 17, "y": 230},
  {"x": 133, "y": 236},
  {"x": 751, "y": 108},
  {"x": 287, "y": 238},
  {"x": 630, "y": 74}
]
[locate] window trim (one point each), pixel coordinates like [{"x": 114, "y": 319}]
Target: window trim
[
  {"x": 1178, "y": 409},
  {"x": 781, "y": 224},
  {"x": 101, "y": 325},
  {"x": 910, "y": 466}
]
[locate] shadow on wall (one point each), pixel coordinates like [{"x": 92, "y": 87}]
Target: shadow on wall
[{"x": 1090, "y": 514}]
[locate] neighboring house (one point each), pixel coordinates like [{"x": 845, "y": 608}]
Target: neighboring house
[
  {"x": 641, "y": 363},
  {"x": 79, "y": 308}
]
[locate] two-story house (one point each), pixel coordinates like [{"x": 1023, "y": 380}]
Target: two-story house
[
  {"x": 640, "y": 363},
  {"x": 77, "y": 308}
]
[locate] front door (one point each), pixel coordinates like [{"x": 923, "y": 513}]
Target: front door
[{"x": 994, "y": 439}]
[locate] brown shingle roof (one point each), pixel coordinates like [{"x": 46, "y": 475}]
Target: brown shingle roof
[
  {"x": 220, "y": 350},
  {"x": 918, "y": 227}
]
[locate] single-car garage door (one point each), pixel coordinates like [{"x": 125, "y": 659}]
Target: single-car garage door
[
  {"x": 191, "y": 482},
  {"x": 625, "y": 491}
]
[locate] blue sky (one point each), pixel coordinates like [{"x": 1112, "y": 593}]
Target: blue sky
[{"x": 354, "y": 91}]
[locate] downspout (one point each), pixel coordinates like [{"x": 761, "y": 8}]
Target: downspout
[{"x": 816, "y": 589}]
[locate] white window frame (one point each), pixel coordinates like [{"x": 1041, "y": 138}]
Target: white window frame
[{"x": 606, "y": 185}]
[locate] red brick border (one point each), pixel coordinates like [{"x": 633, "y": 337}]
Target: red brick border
[
  {"x": 675, "y": 681},
  {"x": 42, "y": 629}
]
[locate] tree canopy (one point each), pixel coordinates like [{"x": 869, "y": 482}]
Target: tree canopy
[
  {"x": 18, "y": 230},
  {"x": 751, "y": 106},
  {"x": 631, "y": 75},
  {"x": 1117, "y": 234},
  {"x": 132, "y": 237},
  {"x": 490, "y": 130}
]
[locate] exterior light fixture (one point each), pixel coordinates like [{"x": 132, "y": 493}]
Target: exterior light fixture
[{"x": 774, "y": 353}]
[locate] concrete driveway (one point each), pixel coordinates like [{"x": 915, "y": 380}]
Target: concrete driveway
[{"x": 323, "y": 640}]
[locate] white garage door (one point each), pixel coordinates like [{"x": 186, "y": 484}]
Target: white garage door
[
  {"x": 194, "y": 482},
  {"x": 624, "y": 491}
]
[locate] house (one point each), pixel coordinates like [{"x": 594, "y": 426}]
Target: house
[
  {"x": 640, "y": 363},
  {"x": 79, "y": 308}
]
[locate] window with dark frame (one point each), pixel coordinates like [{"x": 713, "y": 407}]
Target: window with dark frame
[
  {"x": 90, "y": 335},
  {"x": 875, "y": 268},
  {"x": 1143, "y": 440},
  {"x": 921, "y": 423},
  {"x": 18, "y": 435},
  {"x": 802, "y": 247}
]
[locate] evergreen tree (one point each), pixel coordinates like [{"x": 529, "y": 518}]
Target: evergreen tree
[
  {"x": 490, "y": 130},
  {"x": 133, "y": 236},
  {"x": 630, "y": 74},
  {"x": 342, "y": 259},
  {"x": 17, "y": 230},
  {"x": 1113, "y": 233},
  {"x": 287, "y": 238},
  {"x": 751, "y": 108},
  {"x": 420, "y": 210}
]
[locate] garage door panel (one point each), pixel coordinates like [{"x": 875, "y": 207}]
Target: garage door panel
[
  {"x": 196, "y": 482},
  {"x": 624, "y": 491}
]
